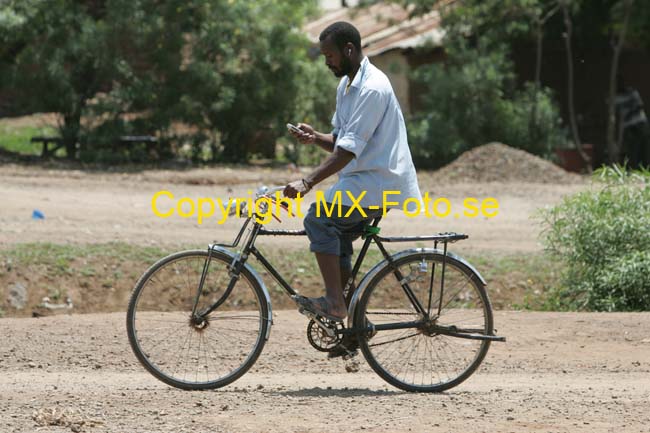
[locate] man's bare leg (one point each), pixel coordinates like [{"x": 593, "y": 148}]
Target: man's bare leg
[{"x": 330, "y": 268}]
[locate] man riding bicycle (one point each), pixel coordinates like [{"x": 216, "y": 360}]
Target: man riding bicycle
[{"x": 370, "y": 153}]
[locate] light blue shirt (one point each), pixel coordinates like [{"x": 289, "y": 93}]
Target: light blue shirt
[{"x": 369, "y": 123}]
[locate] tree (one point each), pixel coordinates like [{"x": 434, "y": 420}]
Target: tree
[
  {"x": 568, "y": 26},
  {"x": 59, "y": 59},
  {"x": 226, "y": 70},
  {"x": 473, "y": 98},
  {"x": 606, "y": 26},
  {"x": 540, "y": 17},
  {"x": 235, "y": 72},
  {"x": 247, "y": 69}
]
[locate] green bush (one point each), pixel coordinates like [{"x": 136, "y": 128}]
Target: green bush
[
  {"x": 472, "y": 100},
  {"x": 624, "y": 284},
  {"x": 601, "y": 239}
]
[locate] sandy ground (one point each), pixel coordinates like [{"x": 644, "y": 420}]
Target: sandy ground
[
  {"x": 558, "y": 372},
  {"x": 83, "y": 207}
]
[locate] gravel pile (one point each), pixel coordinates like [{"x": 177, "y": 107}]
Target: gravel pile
[{"x": 496, "y": 162}]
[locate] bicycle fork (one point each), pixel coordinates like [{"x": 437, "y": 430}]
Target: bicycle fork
[{"x": 234, "y": 272}]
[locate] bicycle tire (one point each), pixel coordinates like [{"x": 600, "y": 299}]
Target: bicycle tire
[
  {"x": 160, "y": 295},
  {"x": 381, "y": 293}
]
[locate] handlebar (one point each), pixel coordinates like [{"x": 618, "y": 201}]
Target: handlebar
[
  {"x": 262, "y": 191},
  {"x": 266, "y": 191}
]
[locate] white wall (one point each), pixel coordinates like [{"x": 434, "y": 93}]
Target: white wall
[{"x": 328, "y": 5}]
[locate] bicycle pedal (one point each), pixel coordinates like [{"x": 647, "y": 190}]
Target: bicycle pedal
[{"x": 350, "y": 355}]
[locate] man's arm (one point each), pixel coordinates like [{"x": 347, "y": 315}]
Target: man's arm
[
  {"x": 310, "y": 136},
  {"x": 325, "y": 141},
  {"x": 333, "y": 164}
]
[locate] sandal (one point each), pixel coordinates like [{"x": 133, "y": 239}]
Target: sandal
[{"x": 317, "y": 306}]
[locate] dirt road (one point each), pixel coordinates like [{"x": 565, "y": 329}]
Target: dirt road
[
  {"x": 96, "y": 207},
  {"x": 558, "y": 372}
]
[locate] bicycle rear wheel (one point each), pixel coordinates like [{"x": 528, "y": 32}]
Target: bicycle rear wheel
[
  {"x": 196, "y": 354},
  {"x": 416, "y": 359}
]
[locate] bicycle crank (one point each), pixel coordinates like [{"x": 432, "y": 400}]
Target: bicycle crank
[
  {"x": 319, "y": 338},
  {"x": 326, "y": 325}
]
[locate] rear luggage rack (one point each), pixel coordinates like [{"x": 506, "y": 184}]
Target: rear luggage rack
[{"x": 447, "y": 237}]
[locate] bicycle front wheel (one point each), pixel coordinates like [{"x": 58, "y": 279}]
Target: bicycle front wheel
[
  {"x": 196, "y": 354},
  {"x": 418, "y": 359}
]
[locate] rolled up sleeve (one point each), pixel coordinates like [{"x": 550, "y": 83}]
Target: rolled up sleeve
[{"x": 366, "y": 116}]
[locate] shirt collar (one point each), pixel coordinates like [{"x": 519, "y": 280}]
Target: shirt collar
[{"x": 359, "y": 76}]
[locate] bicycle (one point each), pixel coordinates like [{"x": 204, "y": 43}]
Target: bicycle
[{"x": 199, "y": 319}]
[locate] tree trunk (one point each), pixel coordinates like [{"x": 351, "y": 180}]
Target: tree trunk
[
  {"x": 572, "y": 114},
  {"x": 234, "y": 150},
  {"x": 533, "y": 126},
  {"x": 613, "y": 144},
  {"x": 70, "y": 133}
]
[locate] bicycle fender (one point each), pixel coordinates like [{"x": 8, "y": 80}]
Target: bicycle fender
[
  {"x": 363, "y": 285},
  {"x": 258, "y": 279}
]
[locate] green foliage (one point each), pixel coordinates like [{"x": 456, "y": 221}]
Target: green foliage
[
  {"x": 261, "y": 73},
  {"x": 313, "y": 105},
  {"x": 57, "y": 57},
  {"x": 638, "y": 32},
  {"x": 473, "y": 98},
  {"x": 537, "y": 131},
  {"x": 490, "y": 25},
  {"x": 223, "y": 74},
  {"x": 624, "y": 284},
  {"x": 602, "y": 239},
  {"x": 232, "y": 73},
  {"x": 471, "y": 101}
]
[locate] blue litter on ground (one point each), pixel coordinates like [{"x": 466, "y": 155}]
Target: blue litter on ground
[{"x": 38, "y": 215}]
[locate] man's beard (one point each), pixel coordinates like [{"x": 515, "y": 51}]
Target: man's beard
[{"x": 345, "y": 69}]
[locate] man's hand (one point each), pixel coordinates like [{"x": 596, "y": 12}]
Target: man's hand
[
  {"x": 294, "y": 188},
  {"x": 308, "y": 135}
]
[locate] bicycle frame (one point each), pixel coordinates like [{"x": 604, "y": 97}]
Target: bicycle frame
[{"x": 369, "y": 235}]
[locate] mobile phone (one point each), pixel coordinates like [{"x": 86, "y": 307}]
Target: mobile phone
[{"x": 294, "y": 128}]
